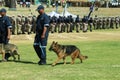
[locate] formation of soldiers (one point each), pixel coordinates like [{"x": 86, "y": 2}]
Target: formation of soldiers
[
  {"x": 23, "y": 24},
  {"x": 69, "y": 24}
]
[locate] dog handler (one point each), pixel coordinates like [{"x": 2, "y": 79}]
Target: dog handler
[
  {"x": 41, "y": 37},
  {"x": 5, "y": 29}
]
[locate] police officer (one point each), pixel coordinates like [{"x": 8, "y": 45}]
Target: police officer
[
  {"x": 13, "y": 22},
  {"x": 117, "y": 22},
  {"x": 19, "y": 24},
  {"x": 90, "y": 23},
  {"x": 68, "y": 24},
  {"x": 29, "y": 24},
  {"x": 71, "y": 24},
  {"x": 41, "y": 37},
  {"x": 95, "y": 23},
  {"x": 112, "y": 23},
  {"x": 23, "y": 28},
  {"x": 53, "y": 24},
  {"x": 77, "y": 21},
  {"x": 5, "y": 29},
  {"x": 108, "y": 22},
  {"x": 104, "y": 23},
  {"x": 85, "y": 23},
  {"x": 33, "y": 23},
  {"x": 59, "y": 24}
]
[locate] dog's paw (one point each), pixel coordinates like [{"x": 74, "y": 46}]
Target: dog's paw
[
  {"x": 4, "y": 60},
  {"x": 53, "y": 65}
]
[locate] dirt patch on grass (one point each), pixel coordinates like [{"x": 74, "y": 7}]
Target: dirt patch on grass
[{"x": 68, "y": 37}]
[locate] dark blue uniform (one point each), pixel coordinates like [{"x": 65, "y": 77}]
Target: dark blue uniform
[
  {"x": 39, "y": 43},
  {"x": 4, "y": 25}
]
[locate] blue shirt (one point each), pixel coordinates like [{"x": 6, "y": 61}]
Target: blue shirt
[
  {"x": 4, "y": 24},
  {"x": 42, "y": 21}
]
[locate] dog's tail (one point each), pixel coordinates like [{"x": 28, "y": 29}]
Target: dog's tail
[{"x": 81, "y": 56}]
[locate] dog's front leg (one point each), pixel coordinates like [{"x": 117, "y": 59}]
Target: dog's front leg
[
  {"x": 3, "y": 56},
  {"x": 64, "y": 60},
  {"x": 56, "y": 61}
]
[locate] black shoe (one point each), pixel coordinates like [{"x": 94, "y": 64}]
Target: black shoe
[{"x": 41, "y": 63}]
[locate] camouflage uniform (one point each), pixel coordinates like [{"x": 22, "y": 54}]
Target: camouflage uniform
[
  {"x": 19, "y": 25},
  {"x": 90, "y": 23},
  {"x": 85, "y": 24},
  {"x": 100, "y": 23},
  {"x": 29, "y": 24},
  {"x": 95, "y": 23},
  {"x": 13, "y": 21},
  {"x": 71, "y": 24},
  {"x": 23, "y": 24},
  {"x": 59, "y": 21},
  {"x": 68, "y": 24},
  {"x": 104, "y": 23},
  {"x": 112, "y": 23},
  {"x": 53, "y": 24},
  {"x": 77, "y": 22},
  {"x": 63, "y": 24},
  {"x": 108, "y": 22},
  {"x": 34, "y": 24},
  {"x": 117, "y": 22}
]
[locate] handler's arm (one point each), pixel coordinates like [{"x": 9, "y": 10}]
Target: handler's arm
[
  {"x": 44, "y": 31},
  {"x": 9, "y": 32}
]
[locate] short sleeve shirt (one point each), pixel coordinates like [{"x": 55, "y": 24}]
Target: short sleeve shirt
[
  {"x": 5, "y": 24},
  {"x": 42, "y": 21}
]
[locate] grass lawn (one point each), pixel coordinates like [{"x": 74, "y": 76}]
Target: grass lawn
[{"x": 102, "y": 48}]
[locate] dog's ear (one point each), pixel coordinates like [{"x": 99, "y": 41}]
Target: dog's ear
[
  {"x": 53, "y": 42},
  {"x": 56, "y": 43}
]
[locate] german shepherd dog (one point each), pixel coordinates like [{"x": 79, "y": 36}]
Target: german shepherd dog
[
  {"x": 9, "y": 48},
  {"x": 66, "y": 50}
]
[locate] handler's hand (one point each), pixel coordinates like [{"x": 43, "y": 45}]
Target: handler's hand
[
  {"x": 8, "y": 37},
  {"x": 43, "y": 36}
]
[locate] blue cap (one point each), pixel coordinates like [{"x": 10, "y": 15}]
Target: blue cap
[
  {"x": 40, "y": 7},
  {"x": 3, "y": 10}
]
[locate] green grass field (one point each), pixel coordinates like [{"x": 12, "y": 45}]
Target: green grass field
[{"x": 102, "y": 48}]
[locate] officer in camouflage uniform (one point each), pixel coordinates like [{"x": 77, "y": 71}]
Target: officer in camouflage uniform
[
  {"x": 77, "y": 22},
  {"x": 100, "y": 23},
  {"x": 108, "y": 22},
  {"x": 59, "y": 21},
  {"x": 90, "y": 23},
  {"x": 13, "y": 22},
  {"x": 19, "y": 24},
  {"x": 104, "y": 23},
  {"x": 63, "y": 24},
  {"x": 116, "y": 22},
  {"x": 119, "y": 21},
  {"x": 85, "y": 23},
  {"x": 68, "y": 24},
  {"x": 23, "y": 24},
  {"x": 112, "y": 23},
  {"x": 29, "y": 24},
  {"x": 53, "y": 24},
  {"x": 71, "y": 24},
  {"x": 95, "y": 23},
  {"x": 34, "y": 18}
]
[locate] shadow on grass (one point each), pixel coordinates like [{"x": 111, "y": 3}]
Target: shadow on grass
[
  {"x": 24, "y": 62},
  {"x": 30, "y": 62}
]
